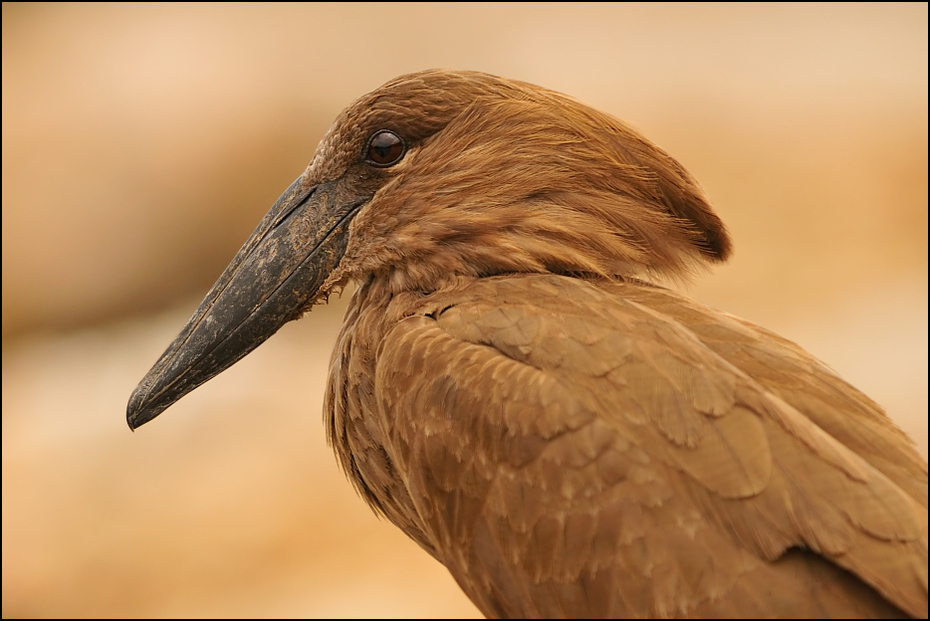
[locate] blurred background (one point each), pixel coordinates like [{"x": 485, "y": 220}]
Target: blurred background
[{"x": 143, "y": 143}]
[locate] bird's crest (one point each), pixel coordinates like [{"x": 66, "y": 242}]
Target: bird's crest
[{"x": 502, "y": 176}]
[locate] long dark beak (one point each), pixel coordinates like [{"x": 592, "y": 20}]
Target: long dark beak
[{"x": 273, "y": 279}]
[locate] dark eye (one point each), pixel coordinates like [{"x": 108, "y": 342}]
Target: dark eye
[{"x": 385, "y": 148}]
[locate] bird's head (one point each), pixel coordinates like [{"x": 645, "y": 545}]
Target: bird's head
[{"x": 444, "y": 175}]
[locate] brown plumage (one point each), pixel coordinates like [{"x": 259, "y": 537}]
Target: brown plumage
[{"x": 512, "y": 389}]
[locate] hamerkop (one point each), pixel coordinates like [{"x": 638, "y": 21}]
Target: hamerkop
[{"x": 514, "y": 390}]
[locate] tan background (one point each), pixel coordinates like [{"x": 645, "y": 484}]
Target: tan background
[{"x": 141, "y": 144}]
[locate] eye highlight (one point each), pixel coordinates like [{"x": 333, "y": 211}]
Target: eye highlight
[{"x": 385, "y": 148}]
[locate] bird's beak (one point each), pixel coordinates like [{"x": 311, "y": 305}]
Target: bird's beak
[{"x": 272, "y": 280}]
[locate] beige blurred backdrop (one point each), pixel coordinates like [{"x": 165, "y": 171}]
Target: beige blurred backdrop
[{"x": 142, "y": 143}]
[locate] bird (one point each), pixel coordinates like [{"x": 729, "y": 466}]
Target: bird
[{"x": 518, "y": 386}]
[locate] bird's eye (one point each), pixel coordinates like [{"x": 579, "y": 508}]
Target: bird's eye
[{"x": 385, "y": 148}]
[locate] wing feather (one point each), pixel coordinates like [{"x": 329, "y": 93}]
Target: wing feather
[{"x": 617, "y": 449}]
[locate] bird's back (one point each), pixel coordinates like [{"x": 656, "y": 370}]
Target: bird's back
[{"x": 572, "y": 447}]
